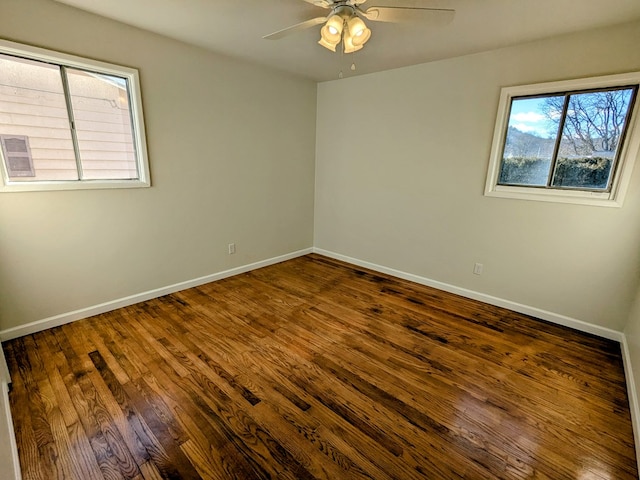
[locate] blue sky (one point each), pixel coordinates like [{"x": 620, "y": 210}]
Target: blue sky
[{"x": 526, "y": 116}]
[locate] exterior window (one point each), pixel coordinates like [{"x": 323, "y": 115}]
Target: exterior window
[
  {"x": 572, "y": 141},
  {"x": 15, "y": 150},
  {"x": 68, "y": 123}
]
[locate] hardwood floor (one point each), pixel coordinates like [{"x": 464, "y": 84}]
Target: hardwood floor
[{"x": 316, "y": 369}]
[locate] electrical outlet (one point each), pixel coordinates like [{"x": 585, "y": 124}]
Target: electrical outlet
[
  {"x": 477, "y": 269},
  {"x": 232, "y": 248}
]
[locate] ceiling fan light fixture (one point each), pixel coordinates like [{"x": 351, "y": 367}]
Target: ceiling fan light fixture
[{"x": 346, "y": 21}]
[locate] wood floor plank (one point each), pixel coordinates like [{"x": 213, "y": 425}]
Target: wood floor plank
[
  {"x": 407, "y": 387},
  {"x": 498, "y": 375},
  {"x": 144, "y": 441},
  {"x": 30, "y": 371},
  {"x": 316, "y": 369},
  {"x": 73, "y": 372},
  {"x": 30, "y": 462},
  {"x": 325, "y": 444},
  {"x": 312, "y": 423},
  {"x": 211, "y": 440}
]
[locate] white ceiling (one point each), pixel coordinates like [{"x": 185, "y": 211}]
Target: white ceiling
[{"x": 236, "y": 28}]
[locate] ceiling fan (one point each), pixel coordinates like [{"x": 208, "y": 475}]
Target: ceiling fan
[{"x": 345, "y": 21}]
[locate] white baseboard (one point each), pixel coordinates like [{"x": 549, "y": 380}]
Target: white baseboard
[
  {"x": 634, "y": 406},
  {"x": 69, "y": 317},
  {"x": 499, "y": 302}
]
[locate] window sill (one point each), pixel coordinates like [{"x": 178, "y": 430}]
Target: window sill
[
  {"x": 67, "y": 185},
  {"x": 604, "y": 199}
]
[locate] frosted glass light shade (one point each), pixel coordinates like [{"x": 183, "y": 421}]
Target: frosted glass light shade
[
  {"x": 349, "y": 46},
  {"x": 328, "y": 45},
  {"x": 332, "y": 30}
]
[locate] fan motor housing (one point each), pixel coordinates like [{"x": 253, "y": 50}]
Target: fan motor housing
[{"x": 344, "y": 11}]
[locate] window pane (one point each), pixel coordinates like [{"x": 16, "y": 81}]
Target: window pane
[
  {"x": 594, "y": 126},
  {"x": 32, "y": 105},
  {"x": 530, "y": 141},
  {"x": 103, "y": 125}
]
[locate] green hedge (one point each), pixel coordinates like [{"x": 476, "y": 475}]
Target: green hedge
[
  {"x": 588, "y": 172},
  {"x": 524, "y": 171}
]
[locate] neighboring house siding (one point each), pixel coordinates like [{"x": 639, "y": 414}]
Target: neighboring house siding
[{"x": 32, "y": 104}]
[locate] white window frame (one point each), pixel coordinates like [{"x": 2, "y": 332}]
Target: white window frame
[
  {"x": 137, "y": 122},
  {"x": 626, "y": 159}
]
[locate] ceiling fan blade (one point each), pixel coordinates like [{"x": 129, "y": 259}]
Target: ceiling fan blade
[
  {"x": 320, "y": 3},
  {"x": 295, "y": 28},
  {"x": 431, "y": 16}
]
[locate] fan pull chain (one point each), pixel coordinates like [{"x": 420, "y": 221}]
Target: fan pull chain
[{"x": 353, "y": 64}]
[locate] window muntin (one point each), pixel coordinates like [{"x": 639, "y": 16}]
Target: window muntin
[
  {"x": 82, "y": 120},
  {"x": 573, "y": 141}
]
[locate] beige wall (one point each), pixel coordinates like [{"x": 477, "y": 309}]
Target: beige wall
[
  {"x": 401, "y": 163},
  {"x": 231, "y": 151}
]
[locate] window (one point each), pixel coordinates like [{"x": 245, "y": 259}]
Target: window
[
  {"x": 68, "y": 123},
  {"x": 17, "y": 156},
  {"x": 573, "y": 141}
]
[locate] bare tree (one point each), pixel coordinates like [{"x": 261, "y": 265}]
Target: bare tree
[{"x": 594, "y": 121}]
